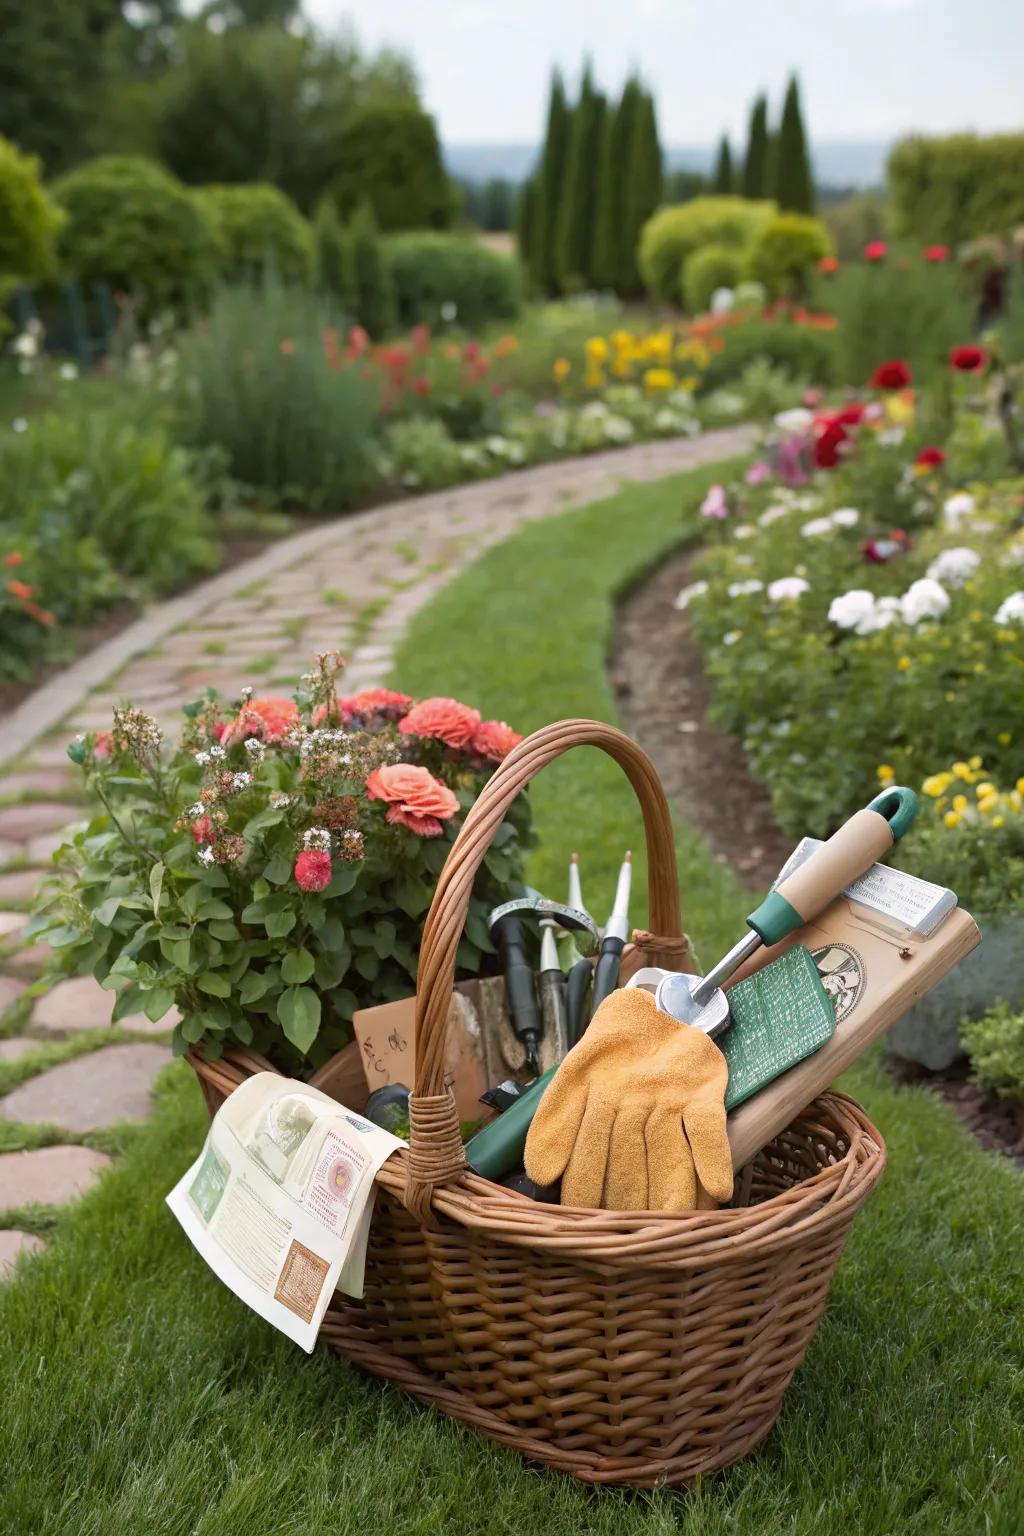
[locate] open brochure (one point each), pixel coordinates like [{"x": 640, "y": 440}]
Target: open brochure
[{"x": 280, "y": 1200}]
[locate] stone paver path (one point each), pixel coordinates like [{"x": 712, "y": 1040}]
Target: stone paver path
[
  {"x": 13, "y": 1243},
  {"x": 351, "y": 585}
]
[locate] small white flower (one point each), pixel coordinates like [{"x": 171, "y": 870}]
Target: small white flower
[
  {"x": 954, "y": 566},
  {"x": 845, "y": 517},
  {"x": 722, "y": 301},
  {"x": 217, "y": 752},
  {"x": 787, "y": 588},
  {"x": 449, "y": 309},
  {"x": 19, "y": 424},
  {"x": 816, "y": 527},
  {"x": 744, "y": 531},
  {"x": 202, "y": 758},
  {"x": 25, "y": 345},
  {"x": 745, "y": 588},
  {"x": 279, "y": 800},
  {"x": 806, "y": 501},
  {"x": 955, "y": 508},
  {"x": 797, "y": 419},
  {"x": 618, "y": 430},
  {"x": 771, "y": 515},
  {"x": 923, "y": 599},
  {"x": 1011, "y": 609},
  {"x": 68, "y": 372},
  {"x": 318, "y": 838},
  {"x": 890, "y": 437},
  {"x": 887, "y": 611},
  {"x": 241, "y": 781},
  {"x": 197, "y": 810},
  {"x": 205, "y": 854},
  {"x": 852, "y": 609},
  {"x": 686, "y": 596},
  {"x": 732, "y": 637}
]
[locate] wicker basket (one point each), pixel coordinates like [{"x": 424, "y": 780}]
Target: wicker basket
[{"x": 620, "y": 1347}]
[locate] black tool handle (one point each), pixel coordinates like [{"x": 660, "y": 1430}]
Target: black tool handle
[
  {"x": 578, "y": 986},
  {"x": 606, "y": 972},
  {"x": 520, "y": 992}
]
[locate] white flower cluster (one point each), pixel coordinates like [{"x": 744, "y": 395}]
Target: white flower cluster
[
  {"x": 954, "y": 566},
  {"x": 745, "y": 588},
  {"x": 865, "y": 613},
  {"x": 256, "y": 749},
  {"x": 798, "y": 419},
  {"x": 842, "y": 517},
  {"x": 955, "y": 508},
  {"x": 686, "y": 596},
  {"x": 1011, "y": 610},
  {"x": 318, "y": 838},
  {"x": 279, "y": 800},
  {"x": 787, "y": 588}
]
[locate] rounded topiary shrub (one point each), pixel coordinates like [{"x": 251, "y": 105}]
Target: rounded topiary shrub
[
  {"x": 711, "y": 267},
  {"x": 29, "y": 220},
  {"x": 672, "y": 234},
  {"x": 431, "y": 272},
  {"x": 785, "y": 253},
  {"x": 133, "y": 225},
  {"x": 257, "y": 228}
]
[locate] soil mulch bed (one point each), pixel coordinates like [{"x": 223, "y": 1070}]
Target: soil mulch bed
[{"x": 663, "y": 695}]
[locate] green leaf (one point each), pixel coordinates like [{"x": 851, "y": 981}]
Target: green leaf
[
  {"x": 332, "y": 935},
  {"x": 260, "y": 889},
  {"x": 412, "y": 897},
  {"x": 157, "y": 1003},
  {"x": 278, "y": 870},
  {"x": 279, "y": 924},
  {"x": 156, "y": 885},
  {"x": 213, "y": 907},
  {"x": 241, "y": 1029},
  {"x": 225, "y": 931},
  {"x": 330, "y": 968},
  {"x": 299, "y": 1012},
  {"x": 214, "y": 983},
  {"x": 192, "y": 1027},
  {"x": 344, "y": 875},
  {"x": 367, "y": 964},
  {"x": 254, "y": 984},
  {"x": 107, "y": 910},
  {"x": 297, "y": 966}
]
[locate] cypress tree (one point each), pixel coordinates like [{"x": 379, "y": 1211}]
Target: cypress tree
[
  {"x": 334, "y": 268},
  {"x": 371, "y": 279},
  {"x": 722, "y": 181},
  {"x": 609, "y": 201},
  {"x": 575, "y": 224},
  {"x": 794, "y": 189},
  {"x": 643, "y": 188},
  {"x": 550, "y": 180},
  {"x": 528, "y": 232},
  {"x": 755, "y": 166}
]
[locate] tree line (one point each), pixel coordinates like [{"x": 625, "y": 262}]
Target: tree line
[{"x": 776, "y": 164}]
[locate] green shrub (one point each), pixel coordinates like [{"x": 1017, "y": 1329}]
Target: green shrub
[
  {"x": 333, "y": 249},
  {"x": 704, "y": 270},
  {"x": 430, "y": 271},
  {"x": 995, "y": 1044},
  {"x": 854, "y": 222},
  {"x": 420, "y": 454},
  {"x": 785, "y": 253},
  {"x": 900, "y": 308},
  {"x": 951, "y": 189},
  {"x": 372, "y": 287},
  {"x": 390, "y": 154},
  {"x": 133, "y": 225},
  {"x": 259, "y": 229},
  {"x": 801, "y": 351},
  {"x": 263, "y": 378},
  {"x": 29, "y": 220},
  {"x": 99, "y": 509},
  {"x": 672, "y": 233}
]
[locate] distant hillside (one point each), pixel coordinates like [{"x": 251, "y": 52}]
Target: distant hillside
[{"x": 835, "y": 164}]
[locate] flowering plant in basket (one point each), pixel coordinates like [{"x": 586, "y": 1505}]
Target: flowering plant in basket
[{"x": 271, "y": 873}]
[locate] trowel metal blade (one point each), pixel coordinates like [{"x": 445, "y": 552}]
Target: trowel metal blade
[{"x": 674, "y": 996}]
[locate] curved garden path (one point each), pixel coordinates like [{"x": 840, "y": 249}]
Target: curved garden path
[{"x": 66, "y": 1076}]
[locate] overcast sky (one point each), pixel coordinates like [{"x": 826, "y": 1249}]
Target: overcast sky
[{"x": 870, "y": 69}]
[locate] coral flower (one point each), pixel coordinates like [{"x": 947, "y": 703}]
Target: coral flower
[
  {"x": 875, "y": 250},
  {"x": 968, "y": 359},
  {"x": 891, "y": 375},
  {"x": 202, "y": 830},
  {"x": 828, "y": 265},
  {"x": 101, "y": 746},
  {"x": 495, "y": 740},
  {"x": 13, "y": 559},
  {"x": 936, "y": 253},
  {"x": 371, "y": 701},
  {"x": 21, "y": 590},
  {"x": 313, "y": 869},
  {"x": 270, "y": 718},
  {"x": 420, "y": 386},
  {"x": 415, "y": 799},
  {"x": 446, "y": 719}
]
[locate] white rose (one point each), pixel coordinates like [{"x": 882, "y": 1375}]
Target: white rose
[
  {"x": 923, "y": 599},
  {"x": 845, "y": 517},
  {"x": 954, "y": 566},
  {"x": 686, "y": 596},
  {"x": 744, "y": 531},
  {"x": 816, "y": 526},
  {"x": 887, "y": 611},
  {"x": 787, "y": 588},
  {"x": 771, "y": 515},
  {"x": 798, "y": 419},
  {"x": 745, "y": 588},
  {"x": 956, "y": 508},
  {"x": 852, "y": 609},
  {"x": 722, "y": 300},
  {"x": 1011, "y": 610}
]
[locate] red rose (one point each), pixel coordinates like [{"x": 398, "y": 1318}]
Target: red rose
[
  {"x": 847, "y": 415},
  {"x": 936, "y": 253},
  {"x": 829, "y": 444},
  {"x": 313, "y": 869},
  {"x": 875, "y": 250},
  {"x": 451, "y": 722},
  {"x": 495, "y": 740},
  {"x": 414, "y": 797},
  {"x": 891, "y": 375},
  {"x": 968, "y": 359},
  {"x": 930, "y": 458},
  {"x": 828, "y": 265}
]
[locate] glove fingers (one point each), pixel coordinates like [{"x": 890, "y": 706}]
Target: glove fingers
[
  {"x": 554, "y": 1128},
  {"x": 672, "y": 1184},
  {"x": 625, "y": 1183},
  {"x": 704, "y": 1119},
  {"x": 583, "y": 1180}
]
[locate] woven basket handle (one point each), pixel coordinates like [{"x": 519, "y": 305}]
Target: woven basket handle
[{"x": 436, "y": 1154}]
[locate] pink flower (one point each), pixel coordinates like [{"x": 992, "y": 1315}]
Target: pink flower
[
  {"x": 446, "y": 719},
  {"x": 936, "y": 253},
  {"x": 384, "y": 702},
  {"x": 313, "y": 869},
  {"x": 875, "y": 250},
  {"x": 202, "y": 830},
  {"x": 495, "y": 740},
  {"x": 415, "y": 799},
  {"x": 759, "y": 472},
  {"x": 715, "y": 503},
  {"x": 270, "y": 718},
  {"x": 101, "y": 746}
]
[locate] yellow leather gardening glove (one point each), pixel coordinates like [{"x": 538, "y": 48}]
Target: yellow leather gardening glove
[{"x": 612, "y": 1121}]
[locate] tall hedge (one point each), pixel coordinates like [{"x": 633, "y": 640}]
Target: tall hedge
[
  {"x": 390, "y": 155},
  {"x": 951, "y": 189},
  {"x": 259, "y": 227},
  {"x": 430, "y": 271}
]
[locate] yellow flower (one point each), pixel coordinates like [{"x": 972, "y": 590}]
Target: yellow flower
[
  {"x": 1019, "y": 786},
  {"x": 975, "y": 761},
  {"x": 937, "y": 784},
  {"x": 594, "y": 378},
  {"x": 560, "y": 369},
  {"x": 899, "y": 410},
  {"x": 985, "y": 789},
  {"x": 656, "y": 379},
  {"x": 997, "y": 821},
  {"x": 970, "y": 587},
  {"x": 596, "y": 349},
  {"x": 980, "y": 668},
  {"x": 1004, "y": 738},
  {"x": 988, "y": 804},
  {"x": 951, "y": 819},
  {"x": 962, "y": 771},
  {"x": 903, "y": 663},
  {"x": 689, "y": 383},
  {"x": 621, "y": 367},
  {"x": 885, "y": 773},
  {"x": 960, "y": 803},
  {"x": 976, "y": 616},
  {"x": 622, "y": 341},
  {"x": 950, "y": 698}
]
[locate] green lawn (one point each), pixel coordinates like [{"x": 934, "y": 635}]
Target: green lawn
[{"x": 139, "y": 1396}]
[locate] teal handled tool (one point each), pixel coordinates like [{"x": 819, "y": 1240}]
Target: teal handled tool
[
  {"x": 581, "y": 974},
  {"x": 613, "y": 939},
  {"x": 802, "y": 896}
]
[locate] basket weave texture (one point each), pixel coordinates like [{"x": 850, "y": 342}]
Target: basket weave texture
[{"x": 620, "y": 1347}]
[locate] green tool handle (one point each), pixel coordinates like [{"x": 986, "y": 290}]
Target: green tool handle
[
  {"x": 520, "y": 989},
  {"x": 860, "y": 842},
  {"x": 498, "y": 1148}
]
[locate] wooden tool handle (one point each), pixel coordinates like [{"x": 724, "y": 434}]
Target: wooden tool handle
[
  {"x": 436, "y": 1153},
  {"x": 859, "y": 843}
]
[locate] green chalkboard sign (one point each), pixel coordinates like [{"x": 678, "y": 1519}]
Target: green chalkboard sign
[{"x": 779, "y": 1015}]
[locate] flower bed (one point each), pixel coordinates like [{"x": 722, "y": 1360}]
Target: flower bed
[{"x": 271, "y": 874}]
